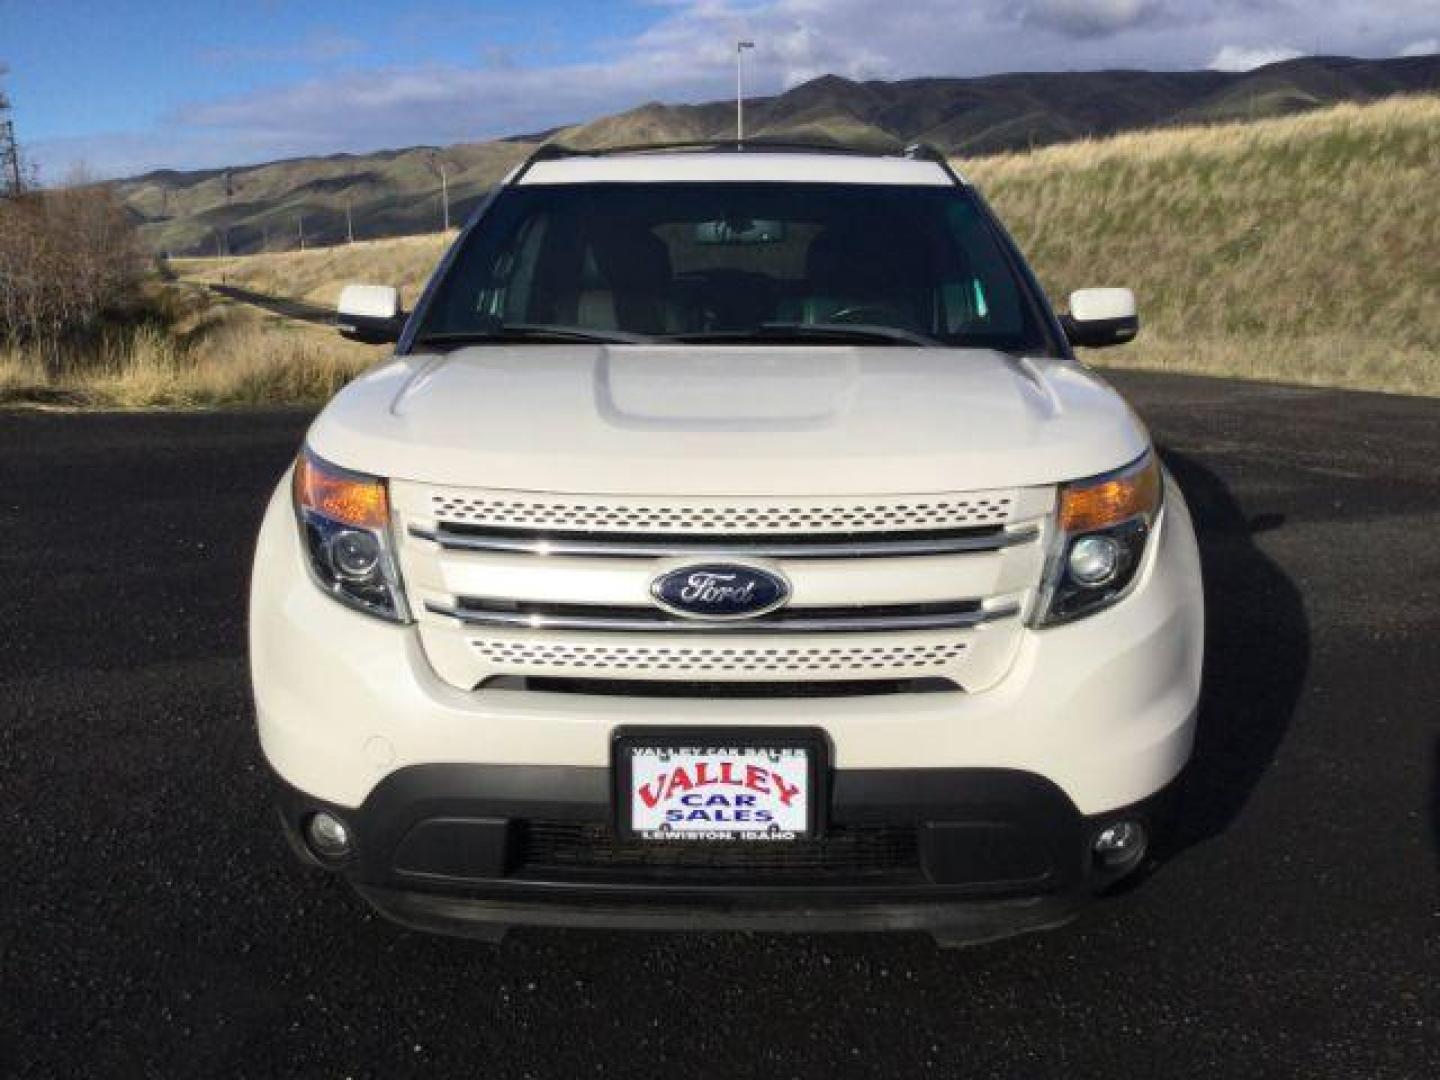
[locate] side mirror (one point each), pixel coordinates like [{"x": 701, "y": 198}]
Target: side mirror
[
  {"x": 370, "y": 314},
  {"x": 1101, "y": 317}
]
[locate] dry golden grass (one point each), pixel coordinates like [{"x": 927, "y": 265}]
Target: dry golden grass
[
  {"x": 1299, "y": 250},
  {"x": 214, "y": 354}
]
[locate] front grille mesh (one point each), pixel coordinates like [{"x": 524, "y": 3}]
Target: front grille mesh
[
  {"x": 637, "y": 660},
  {"x": 851, "y": 851},
  {"x": 572, "y": 514}
]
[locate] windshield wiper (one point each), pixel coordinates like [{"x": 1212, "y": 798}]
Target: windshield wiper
[
  {"x": 512, "y": 332},
  {"x": 814, "y": 332}
]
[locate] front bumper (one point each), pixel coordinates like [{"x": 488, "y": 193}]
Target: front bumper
[
  {"x": 475, "y": 810},
  {"x": 1103, "y": 707},
  {"x": 964, "y": 854}
]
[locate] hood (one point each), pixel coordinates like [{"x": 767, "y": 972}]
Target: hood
[{"x": 719, "y": 420}]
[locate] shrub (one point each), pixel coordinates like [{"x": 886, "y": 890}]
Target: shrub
[{"x": 70, "y": 262}]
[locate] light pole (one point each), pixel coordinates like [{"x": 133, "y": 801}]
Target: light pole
[
  {"x": 445, "y": 196},
  {"x": 740, "y": 47},
  {"x": 438, "y": 167}
]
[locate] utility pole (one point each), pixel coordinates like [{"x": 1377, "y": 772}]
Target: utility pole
[
  {"x": 12, "y": 183},
  {"x": 300, "y": 227},
  {"x": 10, "y": 160},
  {"x": 349, "y": 223},
  {"x": 740, "y": 47}
]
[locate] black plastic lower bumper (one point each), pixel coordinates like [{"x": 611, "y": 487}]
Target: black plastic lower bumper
[{"x": 966, "y": 854}]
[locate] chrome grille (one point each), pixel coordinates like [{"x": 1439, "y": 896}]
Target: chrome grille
[
  {"x": 556, "y": 588},
  {"x": 580, "y": 514}
]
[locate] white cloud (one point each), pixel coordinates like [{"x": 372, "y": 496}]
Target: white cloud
[
  {"x": 1246, "y": 58},
  {"x": 1423, "y": 47}
]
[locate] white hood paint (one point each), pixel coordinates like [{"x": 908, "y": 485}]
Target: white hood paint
[{"x": 719, "y": 420}]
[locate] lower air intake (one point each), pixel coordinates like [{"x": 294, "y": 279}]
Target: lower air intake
[{"x": 856, "y": 851}]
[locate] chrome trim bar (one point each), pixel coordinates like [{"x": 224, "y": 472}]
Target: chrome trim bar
[
  {"x": 766, "y": 549},
  {"x": 781, "y": 624}
]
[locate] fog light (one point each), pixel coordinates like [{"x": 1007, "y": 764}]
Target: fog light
[
  {"x": 1120, "y": 845},
  {"x": 1094, "y": 560},
  {"x": 327, "y": 836},
  {"x": 355, "y": 555}
]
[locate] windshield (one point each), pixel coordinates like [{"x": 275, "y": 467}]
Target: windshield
[{"x": 777, "y": 262}]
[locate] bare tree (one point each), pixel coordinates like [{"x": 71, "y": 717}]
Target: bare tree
[{"x": 69, "y": 257}]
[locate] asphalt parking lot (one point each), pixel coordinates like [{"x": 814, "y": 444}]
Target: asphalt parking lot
[{"x": 152, "y": 922}]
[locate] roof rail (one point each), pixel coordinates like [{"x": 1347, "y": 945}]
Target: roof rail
[
  {"x": 736, "y": 145},
  {"x": 558, "y": 151},
  {"x": 925, "y": 152},
  {"x": 920, "y": 151}
]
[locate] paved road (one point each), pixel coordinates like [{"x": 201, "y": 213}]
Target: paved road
[{"x": 151, "y": 922}]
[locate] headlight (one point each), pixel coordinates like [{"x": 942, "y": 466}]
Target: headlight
[
  {"x": 1102, "y": 525},
  {"x": 345, "y": 522}
]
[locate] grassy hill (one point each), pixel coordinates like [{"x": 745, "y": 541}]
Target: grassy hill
[
  {"x": 265, "y": 207},
  {"x": 1299, "y": 249}
]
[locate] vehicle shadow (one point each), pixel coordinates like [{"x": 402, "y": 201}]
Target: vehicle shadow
[
  {"x": 1257, "y": 653},
  {"x": 1435, "y": 804}
]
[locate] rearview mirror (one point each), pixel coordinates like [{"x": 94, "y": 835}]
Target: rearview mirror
[
  {"x": 1101, "y": 317},
  {"x": 739, "y": 231},
  {"x": 370, "y": 314}
]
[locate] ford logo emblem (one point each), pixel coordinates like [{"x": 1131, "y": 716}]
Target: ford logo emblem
[{"x": 720, "y": 591}]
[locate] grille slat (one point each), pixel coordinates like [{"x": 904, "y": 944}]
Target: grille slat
[
  {"x": 889, "y": 545},
  {"x": 881, "y": 618}
]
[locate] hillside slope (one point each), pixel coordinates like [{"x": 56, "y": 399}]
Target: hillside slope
[
  {"x": 1299, "y": 250},
  {"x": 266, "y": 207}
]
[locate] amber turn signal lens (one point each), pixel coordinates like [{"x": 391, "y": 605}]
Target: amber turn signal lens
[
  {"x": 1098, "y": 504},
  {"x": 340, "y": 496}
]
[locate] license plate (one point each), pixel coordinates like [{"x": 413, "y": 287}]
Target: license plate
[{"x": 718, "y": 787}]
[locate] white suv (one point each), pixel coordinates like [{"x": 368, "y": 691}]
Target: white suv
[{"x": 732, "y": 541}]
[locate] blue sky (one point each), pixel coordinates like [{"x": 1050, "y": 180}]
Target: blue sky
[{"x": 128, "y": 85}]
